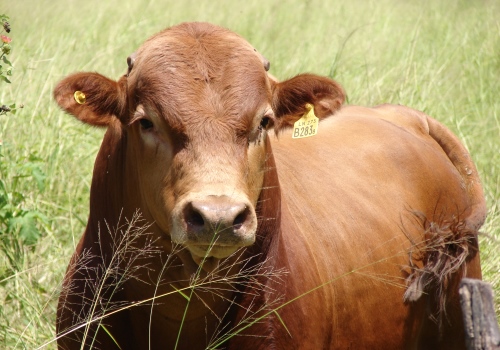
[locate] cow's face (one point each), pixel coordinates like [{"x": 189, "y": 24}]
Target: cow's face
[
  {"x": 196, "y": 106},
  {"x": 199, "y": 109}
]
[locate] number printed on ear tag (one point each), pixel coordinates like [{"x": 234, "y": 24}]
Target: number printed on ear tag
[{"x": 307, "y": 125}]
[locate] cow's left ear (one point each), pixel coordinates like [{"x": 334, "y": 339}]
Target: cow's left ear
[
  {"x": 92, "y": 98},
  {"x": 291, "y": 96}
]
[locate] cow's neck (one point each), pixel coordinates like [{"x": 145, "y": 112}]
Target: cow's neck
[
  {"x": 269, "y": 253},
  {"x": 107, "y": 179},
  {"x": 268, "y": 210}
]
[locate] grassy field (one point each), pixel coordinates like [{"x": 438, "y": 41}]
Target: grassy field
[{"x": 441, "y": 57}]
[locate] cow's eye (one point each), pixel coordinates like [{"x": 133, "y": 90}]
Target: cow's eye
[
  {"x": 264, "y": 122},
  {"x": 146, "y": 124}
]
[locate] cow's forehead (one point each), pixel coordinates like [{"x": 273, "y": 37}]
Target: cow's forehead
[{"x": 200, "y": 69}]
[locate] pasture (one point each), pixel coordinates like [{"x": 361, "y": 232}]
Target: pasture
[{"x": 440, "y": 57}]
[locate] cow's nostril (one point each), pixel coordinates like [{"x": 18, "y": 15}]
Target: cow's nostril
[
  {"x": 193, "y": 217},
  {"x": 240, "y": 219}
]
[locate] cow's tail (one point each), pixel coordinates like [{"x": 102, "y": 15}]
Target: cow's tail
[{"x": 462, "y": 161}]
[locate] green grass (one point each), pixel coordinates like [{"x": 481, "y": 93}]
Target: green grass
[{"x": 441, "y": 57}]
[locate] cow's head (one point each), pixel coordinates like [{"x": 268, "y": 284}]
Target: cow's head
[{"x": 196, "y": 105}]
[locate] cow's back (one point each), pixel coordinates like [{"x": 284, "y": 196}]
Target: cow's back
[{"x": 357, "y": 200}]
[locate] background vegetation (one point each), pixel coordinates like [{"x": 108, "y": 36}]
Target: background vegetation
[{"x": 442, "y": 57}]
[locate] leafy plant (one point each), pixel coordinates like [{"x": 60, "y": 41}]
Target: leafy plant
[
  {"x": 5, "y": 65},
  {"x": 18, "y": 223}
]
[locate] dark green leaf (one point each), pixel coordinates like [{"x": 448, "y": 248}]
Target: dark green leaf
[
  {"x": 3, "y": 188},
  {"x": 6, "y": 60},
  {"x": 26, "y": 224},
  {"x": 4, "y": 78},
  {"x": 39, "y": 177},
  {"x": 31, "y": 168},
  {"x": 34, "y": 158},
  {"x": 17, "y": 198}
]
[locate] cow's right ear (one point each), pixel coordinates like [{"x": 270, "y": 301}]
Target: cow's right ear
[{"x": 92, "y": 98}]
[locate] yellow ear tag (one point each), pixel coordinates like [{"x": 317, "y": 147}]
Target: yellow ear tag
[
  {"x": 79, "y": 97},
  {"x": 307, "y": 125}
]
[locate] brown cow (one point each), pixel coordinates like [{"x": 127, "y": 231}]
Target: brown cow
[{"x": 353, "y": 238}]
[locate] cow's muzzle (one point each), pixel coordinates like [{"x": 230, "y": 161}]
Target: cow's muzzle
[{"x": 215, "y": 226}]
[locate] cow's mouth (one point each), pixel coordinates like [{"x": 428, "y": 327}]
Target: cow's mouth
[
  {"x": 207, "y": 257},
  {"x": 216, "y": 250},
  {"x": 208, "y": 264}
]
